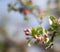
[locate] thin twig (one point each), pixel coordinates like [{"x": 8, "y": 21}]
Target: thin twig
[{"x": 51, "y": 40}]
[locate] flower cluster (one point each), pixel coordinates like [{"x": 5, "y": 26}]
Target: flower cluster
[
  {"x": 24, "y": 9},
  {"x": 39, "y": 34},
  {"x": 27, "y": 7}
]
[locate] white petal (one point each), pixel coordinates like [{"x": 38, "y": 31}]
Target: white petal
[{"x": 50, "y": 22}]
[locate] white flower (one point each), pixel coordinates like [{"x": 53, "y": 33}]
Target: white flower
[{"x": 50, "y": 22}]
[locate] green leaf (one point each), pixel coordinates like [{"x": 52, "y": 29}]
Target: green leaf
[
  {"x": 47, "y": 40},
  {"x": 33, "y": 31},
  {"x": 44, "y": 31},
  {"x": 39, "y": 30},
  {"x": 28, "y": 43},
  {"x": 52, "y": 18},
  {"x": 54, "y": 25}
]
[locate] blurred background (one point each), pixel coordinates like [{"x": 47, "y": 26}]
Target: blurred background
[{"x": 12, "y": 24}]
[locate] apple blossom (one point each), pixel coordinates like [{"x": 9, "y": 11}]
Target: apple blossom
[
  {"x": 45, "y": 35},
  {"x": 26, "y": 11},
  {"x": 26, "y": 33},
  {"x": 39, "y": 38},
  {"x": 50, "y": 22}
]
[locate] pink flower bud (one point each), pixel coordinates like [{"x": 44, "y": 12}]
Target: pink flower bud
[
  {"x": 26, "y": 33},
  {"x": 39, "y": 38},
  {"x": 26, "y": 11},
  {"x": 26, "y": 30},
  {"x": 45, "y": 35}
]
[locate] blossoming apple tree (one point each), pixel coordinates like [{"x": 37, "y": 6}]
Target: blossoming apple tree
[{"x": 39, "y": 35}]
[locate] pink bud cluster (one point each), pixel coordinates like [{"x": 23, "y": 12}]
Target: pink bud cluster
[
  {"x": 27, "y": 31},
  {"x": 40, "y": 38}
]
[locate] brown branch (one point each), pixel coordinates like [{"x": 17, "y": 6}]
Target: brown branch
[
  {"x": 51, "y": 40},
  {"x": 52, "y": 37}
]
